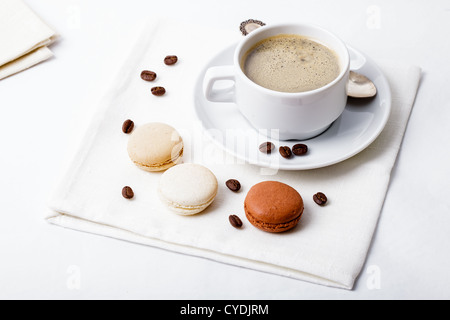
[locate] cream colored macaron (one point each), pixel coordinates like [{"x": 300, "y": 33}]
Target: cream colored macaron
[
  {"x": 188, "y": 188},
  {"x": 155, "y": 147}
]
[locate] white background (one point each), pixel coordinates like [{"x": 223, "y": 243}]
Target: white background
[{"x": 45, "y": 111}]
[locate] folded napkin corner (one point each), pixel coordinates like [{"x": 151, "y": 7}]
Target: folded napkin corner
[{"x": 24, "y": 38}]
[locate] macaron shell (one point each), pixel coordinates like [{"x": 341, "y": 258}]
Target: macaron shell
[
  {"x": 161, "y": 166},
  {"x": 185, "y": 210},
  {"x": 155, "y": 147},
  {"x": 273, "y": 206},
  {"x": 188, "y": 188},
  {"x": 273, "y": 228}
]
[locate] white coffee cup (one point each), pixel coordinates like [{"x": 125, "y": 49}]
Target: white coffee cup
[{"x": 295, "y": 116}]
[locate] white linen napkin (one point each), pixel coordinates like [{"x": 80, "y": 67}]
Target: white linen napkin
[
  {"x": 24, "y": 38},
  {"x": 330, "y": 244}
]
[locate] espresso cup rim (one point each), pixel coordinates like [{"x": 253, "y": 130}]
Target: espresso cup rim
[{"x": 343, "y": 72}]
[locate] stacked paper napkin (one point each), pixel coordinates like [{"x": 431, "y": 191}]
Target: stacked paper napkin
[
  {"x": 330, "y": 244},
  {"x": 24, "y": 38}
]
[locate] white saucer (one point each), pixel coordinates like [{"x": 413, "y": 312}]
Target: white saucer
[{"x": 360, "y": 124}]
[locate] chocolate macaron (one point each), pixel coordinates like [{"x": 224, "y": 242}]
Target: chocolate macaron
[{"x": 273, "y": 206}]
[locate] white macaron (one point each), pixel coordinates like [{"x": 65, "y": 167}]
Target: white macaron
[{"x": 188, "y": 188}]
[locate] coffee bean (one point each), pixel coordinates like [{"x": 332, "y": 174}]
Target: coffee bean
[
  {"x": 127, "y": 126},
  {"x": 233, "y": 185},
  {"x": 127, "y": 193},
  {"x": 170, "y": 60},
  {"x": 266, "y": 147},
  {"x": 320, "y": 198},
  {"x": 148, "y": 75},
  {"x": 158, "y": 91},
  {"x": 235, "y": 221},
  {"x": 285, "y": 152},
  {"x": 300, "y": 149}
]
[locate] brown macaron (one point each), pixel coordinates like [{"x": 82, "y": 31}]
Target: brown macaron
[{"x": 273, "y": 206}]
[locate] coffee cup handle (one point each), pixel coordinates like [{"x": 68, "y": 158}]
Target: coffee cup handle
[{"x": 216, "y": 74}]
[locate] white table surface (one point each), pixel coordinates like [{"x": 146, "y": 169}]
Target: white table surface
[{"x": 45, "y": 111}]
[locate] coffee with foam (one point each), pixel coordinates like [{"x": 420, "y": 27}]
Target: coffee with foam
[{"x": 291, "y": 63}]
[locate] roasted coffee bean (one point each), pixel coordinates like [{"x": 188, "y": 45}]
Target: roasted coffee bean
[
  {"x": 285, "y": 152},
  {"x": 300, "y": 149},
  {"x": 266, "y": 147},
  {"x": 170, "y": 60},
  {"x": 158, "y": 91},
  {"x": 235, "y": 221},
  {"x": 148, "y": 75},
  {"x": 127, "y": 193},
  {"x": 320, "y": 199},
  {"x": 127, "y": 126},
  {"x": 233, "y": 185}
]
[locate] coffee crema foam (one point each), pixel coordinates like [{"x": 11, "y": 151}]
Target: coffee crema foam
[{"x": 291, "y": 63}]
